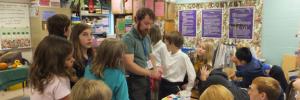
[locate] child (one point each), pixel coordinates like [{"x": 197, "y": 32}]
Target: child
[
  {"x": 106, "y": 66},
  {"x": 247, "y": 66},
  {"x": 59, "y": 25},
  {"x": 204, "y": 51},
  {"x": 216, "y": 92},
  {"x": 160, "y": 50},
  {"x": 174, "y": 75},
  {"x": 48, "y": 73},
  {"x": 161, "y": 55},
  {"x": 81, "y": 39},
  {"x": 90, "y": 90}
]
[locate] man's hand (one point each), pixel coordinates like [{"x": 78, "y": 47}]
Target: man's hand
[{"x": 156, "y": 73}]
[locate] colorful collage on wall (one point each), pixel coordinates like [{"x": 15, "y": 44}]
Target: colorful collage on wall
[{"x": 12, "y": 38}]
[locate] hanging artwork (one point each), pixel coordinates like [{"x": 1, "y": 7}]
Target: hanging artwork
[
  {"x": 187, "y": 22},
  {"x": 212, "y": 23},
  {"x": 241, "y": 23}
]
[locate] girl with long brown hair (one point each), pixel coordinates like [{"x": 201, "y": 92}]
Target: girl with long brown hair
[{"x": 48, "y": 74}]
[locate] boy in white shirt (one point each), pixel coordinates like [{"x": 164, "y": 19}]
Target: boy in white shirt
[{"x": 174, "y": 74}]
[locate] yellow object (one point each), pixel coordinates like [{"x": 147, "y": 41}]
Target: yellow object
[
  {"x": 17, "y": 63},
  {"x": 16, "y": 87}
]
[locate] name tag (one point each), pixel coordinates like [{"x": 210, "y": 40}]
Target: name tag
[{"x": 149, "y": 64}]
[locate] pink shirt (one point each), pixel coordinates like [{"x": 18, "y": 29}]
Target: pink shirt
[{"x": 58, "y": 88}]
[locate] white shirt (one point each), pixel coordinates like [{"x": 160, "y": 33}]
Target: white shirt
[
  {"x": 177, "y": 70},
  {"x": 161, "y": 53},
  {"x": 57, "y": 88}
]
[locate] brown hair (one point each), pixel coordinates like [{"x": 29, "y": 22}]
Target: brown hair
[
  {"x": 269, "y": 86},
  {"x": 155, "y": 34},
  {"x": 216, "y": 92},
  {"x": 108, "y": 54},
  {"x": 90, "y": 90},
  {"x": 142, "y": 12},
  {"x": 78, "y": 52},
  {"x": 175, "y": 38},
  {"x": 49, "y": 60},
  {"x": 58, "y": 24}
]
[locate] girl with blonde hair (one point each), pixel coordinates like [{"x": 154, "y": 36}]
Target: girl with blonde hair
[
  {"x": 216, "y": 92},
  {"x": 90, "y": 90}
]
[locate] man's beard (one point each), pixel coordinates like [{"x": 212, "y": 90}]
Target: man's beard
[{"x": 143, "y": 32}]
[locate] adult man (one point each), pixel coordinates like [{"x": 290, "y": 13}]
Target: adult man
[{"x": 138, "y": 56}]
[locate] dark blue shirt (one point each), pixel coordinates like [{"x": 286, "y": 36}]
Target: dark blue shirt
[{"x": 249, "y": 72}]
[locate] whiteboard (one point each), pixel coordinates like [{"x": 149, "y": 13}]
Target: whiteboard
[{"x": 14, "y": 26}]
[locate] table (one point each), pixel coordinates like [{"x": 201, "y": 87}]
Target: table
[{"x": 13, "y": 76}]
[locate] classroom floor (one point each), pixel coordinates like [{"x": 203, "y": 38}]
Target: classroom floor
[{"x": 15, "y": 94}]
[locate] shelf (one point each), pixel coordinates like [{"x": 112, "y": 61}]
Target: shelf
[{"x": 95, "y": 14}]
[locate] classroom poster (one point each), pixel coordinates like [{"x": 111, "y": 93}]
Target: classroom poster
[
  {"x": 212, "y": 23},
  {"x": 149, "y": 4},
  {"x": 128, "y": 6},
  {"x": 117, "y": 7},
  {"x": 241, "y": 22},
  {"x": 137, "y": 4},
  {"x": 14, "y": 20},
  {"x": 159, "y": 8},
  {"x": 187, "y": 22},
  {"x": 47, "y": 14}
]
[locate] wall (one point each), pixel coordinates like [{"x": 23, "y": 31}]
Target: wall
[
  {"x": 281, "y": 21},
  {"x": 197, "y": 1}
]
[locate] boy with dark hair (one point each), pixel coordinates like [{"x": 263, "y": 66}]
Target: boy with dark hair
[
  {"x": 173, "y": 75},
  {"x": 59, "y": 25},
  {"x": 247, "y": 66}
]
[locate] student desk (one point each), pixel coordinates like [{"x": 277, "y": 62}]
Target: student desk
[{"x": 13, "y": 76}]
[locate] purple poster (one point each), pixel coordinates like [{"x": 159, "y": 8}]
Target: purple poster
[
  {"x": 241, "y": 23},
  {"x": 212, "y": 23},
  {"x": 187, "y": 22}
]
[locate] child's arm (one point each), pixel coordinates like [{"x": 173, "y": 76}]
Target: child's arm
[{"x": 191, "y": 73}]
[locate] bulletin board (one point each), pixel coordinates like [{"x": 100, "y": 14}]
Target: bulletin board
[
  {"x": 14, "y": 26},
  {"x": 253, "y": 37}
]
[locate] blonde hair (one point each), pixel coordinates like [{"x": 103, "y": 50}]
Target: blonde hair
[
  {"x": 90, "y": 90},
  {"x": 209, "y": 48},
  {"x": 216, "y": 92},
  {"x": 108, "y": 54}
]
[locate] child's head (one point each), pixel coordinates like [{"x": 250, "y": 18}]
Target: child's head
[
  {"x": 264, "y": 88},
  {"x": 90, "y": 90},
  {"x": 59, "y": 25},
  {"x": 81, "y": 38},
  {"x": 108, "y": 54},
  {"x": 216, "y": 92},
  {"x": 155, "y": 34},
  {"x": 53, "y": 56},
  {"x": 174, "y": 40},
  {"x": 242, "y": 56},
  {"x": 204, "y": 51}
]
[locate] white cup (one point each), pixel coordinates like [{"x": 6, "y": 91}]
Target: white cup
[{"x": 185, "y": 95}]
